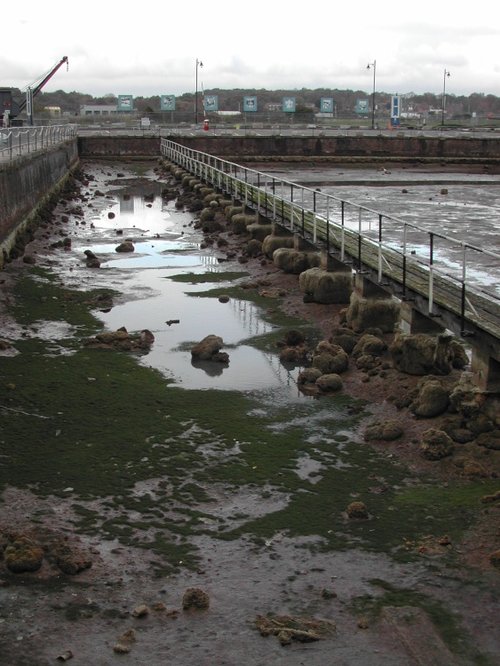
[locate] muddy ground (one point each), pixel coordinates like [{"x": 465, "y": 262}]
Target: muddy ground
[{"x": 426, "y": 591}]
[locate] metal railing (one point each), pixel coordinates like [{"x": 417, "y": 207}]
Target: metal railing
[
  {"x": 458, "y": 276},
  {"x": 18, "y": 141}
]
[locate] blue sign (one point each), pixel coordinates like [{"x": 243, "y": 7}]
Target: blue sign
[
  {"x": 125, "y": 103},
  {"x": 211, "y": 103},
  {"x": 167, "y": 103},
  {"x": 289, "y": 104},
  {"x": 249, "y": 104},
  {"x": 362, "y": 107},
  {"x": 326, "y": 105},
  {"x": 395, "y": 106}
]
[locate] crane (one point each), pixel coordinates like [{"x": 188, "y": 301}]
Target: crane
[
  {"x": 34, "y": 88},
  {"x": 7, "y": 104}
]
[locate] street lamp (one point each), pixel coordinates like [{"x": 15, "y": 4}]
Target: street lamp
[
  {"x": 446, "y": 74},
  {"x": 198, "y": 64},
  {"x": 373, "y": 65}
]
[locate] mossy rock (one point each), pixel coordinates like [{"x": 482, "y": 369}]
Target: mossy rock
[
  {"x": 436, "y": 444},
  {"x": 195, "y": 598},
  {"x": 432, "y": 399},
  {"x": 329, "y": 382},
  {"x": 384, "y": 430},
  {"x": 357, "y": 511},
  {"x": 22, "y": 555}
]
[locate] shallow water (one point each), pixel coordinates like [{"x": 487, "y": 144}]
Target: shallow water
[{"x": 166, "y": 245}]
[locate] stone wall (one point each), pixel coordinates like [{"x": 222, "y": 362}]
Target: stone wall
[{"x": 26, "y": 182}]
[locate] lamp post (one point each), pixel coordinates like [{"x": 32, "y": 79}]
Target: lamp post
[
  {"x": 198, "y": 64},
  {"x": 446, "y": 74},
  {"x": 373, "y": 65}
]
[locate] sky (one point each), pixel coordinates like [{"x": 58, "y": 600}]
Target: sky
[{"x": 145, "y": 49}]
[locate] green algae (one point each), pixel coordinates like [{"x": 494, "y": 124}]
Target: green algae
[
  {"x": 202, "y": 278},
  {"x": 93, "y": 425},
  {"x": 447, "y": 624},
  {"x": 39, "y": 297}
]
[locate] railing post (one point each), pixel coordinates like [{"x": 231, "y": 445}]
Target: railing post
[
  {"x": 405, "y": 229},
  {"x": 342, "y": 232},
  {"x": 359, "y": 239},
  {"x": 379, "y": 248},
  {"x": 462, "y": 300},
  {"x": 431, "y": 273}
]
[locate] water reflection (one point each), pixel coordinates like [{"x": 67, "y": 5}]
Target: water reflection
[{"x": 166, "y": 245}]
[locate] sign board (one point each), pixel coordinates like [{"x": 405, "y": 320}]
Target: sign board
[
  {"x": 167, "y": 102},
  {"x": 211, "y": 103},
  {"x": 125, "y": 103},
  {"x": 362, "y": 107},
  {"x": 395, "y": 106},
  {"x": 326, "y": 105},
  {"x": 288, "y": 105},
  {"x": 249, "y": 104}
]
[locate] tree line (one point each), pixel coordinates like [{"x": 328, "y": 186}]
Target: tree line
[{"x": 481, "y": 104}]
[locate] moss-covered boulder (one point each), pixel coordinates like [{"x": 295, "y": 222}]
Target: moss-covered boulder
[
  {"x": 23, "y": 554},
  {"x": 320, "y": 286},
  {"x": 383, "y": 430},
  {"x": 436, "y": 444},
  {"x": 258, "y": 230},
  {"x": 272, "y": 243},
  {"x": 369, "y": 344},
  {"x": 329, "y": 383},
  {"x": 292, "y": 261},
  {"x": 195, "y": 598},
  {"x": 432, "y": 399},
  {"x": 330, "y": 358},
  {"x": 357, "y": 511},
  {"x": 423, "y": 354},
  {"x": 364, "y": 313},
  {"x": 308, "y": 376}
]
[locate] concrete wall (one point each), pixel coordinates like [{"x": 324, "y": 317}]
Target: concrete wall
[
  {"x": 119, "y": 146},
  {"x": 25, "y": 184},
  {"x": 394, "y": 146},
  {"x": 351, "y": 147}
]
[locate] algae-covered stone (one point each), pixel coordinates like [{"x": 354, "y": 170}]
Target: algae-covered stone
[
  {"x": 320, "y": 286},
  {"x": 369, "y": 344},
  {"x": 422, "y": 354},
  {"x": 329, "y": 382},
  {"x": 432, "y": 399},
  {"x": 330, "y": 358},
  {"x": 309, "y": 376},
  {"x": 384, "y": 430},
  {"x": 272, "y": 243},
  {"x": 195, "y": 598},
  {"x": 436, "y": 444},
  {"x": 23, "y": 554},
  {"x": 294, "y": 262},
  {"x": 357, "y": 511},
  {"x": 364, "y": 313}
]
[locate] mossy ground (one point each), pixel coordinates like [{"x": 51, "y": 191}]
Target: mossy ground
[{"x": 99, "y": 423}]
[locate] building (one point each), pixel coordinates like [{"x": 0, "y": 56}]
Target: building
[{"x": 98, "y": 109}]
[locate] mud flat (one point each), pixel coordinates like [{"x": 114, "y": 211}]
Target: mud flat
[{"x": 157, "y": 508}]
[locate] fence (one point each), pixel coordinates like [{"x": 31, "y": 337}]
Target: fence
[
  {"x": 461, "y": 278},
  {"x": 18, "y": 141}
]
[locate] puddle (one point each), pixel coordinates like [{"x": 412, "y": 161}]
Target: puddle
[{"x": 166, "y": 245}]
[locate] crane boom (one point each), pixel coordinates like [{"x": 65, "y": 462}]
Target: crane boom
[{"x": 39, "y": 86}]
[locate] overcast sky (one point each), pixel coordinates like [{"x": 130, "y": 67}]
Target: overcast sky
[{"x": 151, "y": 48}]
